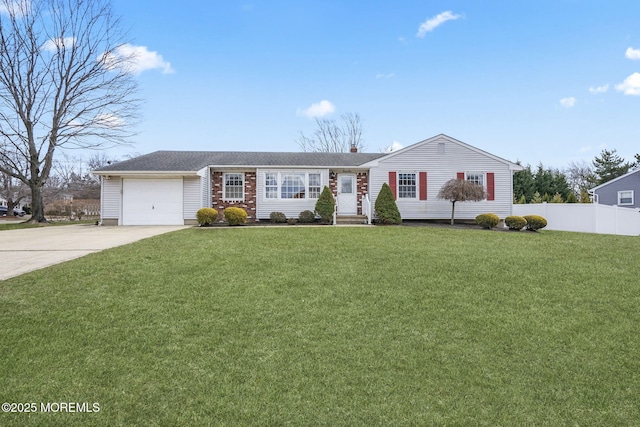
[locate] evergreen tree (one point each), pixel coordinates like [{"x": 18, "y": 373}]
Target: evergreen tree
[
  {"x": 325, "y": 206},
  {"x": 386, "y": 208},
  {"x": 608, "y": 166},
  {"x": 524, "y": 184}
]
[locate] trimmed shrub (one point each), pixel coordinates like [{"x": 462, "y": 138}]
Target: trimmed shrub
[
  {"x": 306, "y": 217},
  {"x": 535, "y": 222},
  {"x": 206, "y": 216},
  {"x": 386, "y": 208},
  {"x": 326, "y": 205},
  {"x": 515, "y": 222},
  {"x": 488, "y": 220},
  {"x": 292, "y": 221},
  {"x": 277, "y": 217},
  {"x": 235, "y": 216}
]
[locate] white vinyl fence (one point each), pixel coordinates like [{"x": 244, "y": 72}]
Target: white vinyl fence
[{"x": 585, "y": 217}]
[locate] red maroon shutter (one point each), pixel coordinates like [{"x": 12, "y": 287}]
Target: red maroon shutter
[
  {"x": 423, "y": 186},
  {"x": 393, "y": 184},
  {"x": 491, "y": 186},
  {"x": 461, "y": 175}
]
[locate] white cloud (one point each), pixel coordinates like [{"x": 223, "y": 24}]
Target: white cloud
[
  {"x": 319, "y": 109},
  {"x": 395, "y": 146},
  {"x": 108, "y": 120},
  {"x": 599, "y": 89},
  {"x": 384, "y": 76},
  {"x": 633, "y": 54},
  {"x": 136, "y": 59},
  {"x": 55, "y": 44},
  {"x": 432, "y": 23},
  {"x": 630, "y": 85},
  {"x": 568, "y": 102}
]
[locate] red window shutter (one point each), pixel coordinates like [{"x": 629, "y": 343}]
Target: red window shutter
[
  {"x": 423, "y": 186},
  {"x": 491, "y": 186},
  {"x": 461, "y": 175},
  {"x": 393, "y": 184}
]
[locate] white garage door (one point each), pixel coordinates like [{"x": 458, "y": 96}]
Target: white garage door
[{"x": 152, "y": 202}]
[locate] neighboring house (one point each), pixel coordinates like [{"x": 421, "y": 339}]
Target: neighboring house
[
  {"x": 621, "y": 191},
  {"x": 168, "y": 187}
]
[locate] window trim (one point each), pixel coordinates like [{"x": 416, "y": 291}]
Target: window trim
[
  {"x": 416, "y": 180},
  {"x": 479, "y": 173},
  {"x": 224, "y": 187},
  {"x": 620, "y": 198},
  {"x": 278, "y": 187}
]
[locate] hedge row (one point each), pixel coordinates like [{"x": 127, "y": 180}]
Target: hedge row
[{"x": 514, "y": 222}]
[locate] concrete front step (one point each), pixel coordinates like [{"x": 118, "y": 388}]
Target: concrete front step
[{"x": 351, "y": 219}]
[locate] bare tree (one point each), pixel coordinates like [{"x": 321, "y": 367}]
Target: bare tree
[
  {"x": 333, "y": 137},
  {"x": 65, "y": 82},
  {"x": 460, "y": 190},
  {"x": 580, "y": 176}
]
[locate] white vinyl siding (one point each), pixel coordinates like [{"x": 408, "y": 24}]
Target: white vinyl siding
[
  {"x": 191, "y": 196},
  {"x": 110, "y": 203},
  {"x": 442, "y": 164}
]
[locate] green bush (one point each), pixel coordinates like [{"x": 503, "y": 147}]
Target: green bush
[
  {"x": 306, "y": 217},
  {"x": 515, "y": 222},
  {"x": 235, "y": 216},
  {"x": 277, "y": 217},
  {"x": 535, "y": 222},
  {"x": 206, "y": 216},
  {"x": 385, "y": 207},
  {"x": 326, "y": 205},
  {"x": 487, "y": 220}
]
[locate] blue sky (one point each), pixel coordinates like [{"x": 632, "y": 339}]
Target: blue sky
[{"x": 537, "y": 81}]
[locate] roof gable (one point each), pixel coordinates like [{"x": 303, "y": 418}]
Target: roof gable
[
  {"x": 439, "y": 138},
  {"x": 626, "y": 175}
]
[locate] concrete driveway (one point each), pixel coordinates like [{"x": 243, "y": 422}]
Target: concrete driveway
[{"x": 30, "y": 249}]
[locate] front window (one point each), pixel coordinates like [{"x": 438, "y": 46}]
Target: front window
[
  {"x": 271, "y": 185},
  {"x": 292, "y": 185},
  {"x": 314, "y": 185},
  {"x": 476, "y": 177},
  {"x": 233, "y": 186},
  {"x": 625, "y": 197},
  {"x": 407, "y": 185}
]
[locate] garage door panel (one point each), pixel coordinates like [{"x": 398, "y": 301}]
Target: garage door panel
[{"x": 152, "y": 202}]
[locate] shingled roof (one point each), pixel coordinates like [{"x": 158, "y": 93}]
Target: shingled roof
[{"x": 190, "y": 161}]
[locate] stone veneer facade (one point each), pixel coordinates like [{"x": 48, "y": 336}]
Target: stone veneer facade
[
  {"x": 250, "y": 193},
  {"x": 250, "y": 197}
]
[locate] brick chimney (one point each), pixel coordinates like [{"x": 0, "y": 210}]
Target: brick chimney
[{"x": 354, "y": 149}]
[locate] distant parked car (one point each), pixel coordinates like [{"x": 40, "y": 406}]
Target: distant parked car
[{"x": 16, "y": 211}]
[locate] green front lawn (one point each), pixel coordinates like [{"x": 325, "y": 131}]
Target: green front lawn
[{"x": 331, "y": 326}]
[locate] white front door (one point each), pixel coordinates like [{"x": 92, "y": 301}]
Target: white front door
[{"x": 347, "y": 194}]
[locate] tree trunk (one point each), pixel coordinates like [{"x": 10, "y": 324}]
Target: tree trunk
[
  {"x": 37, "y": 205},
  {"x": 453, "y": 208}
]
